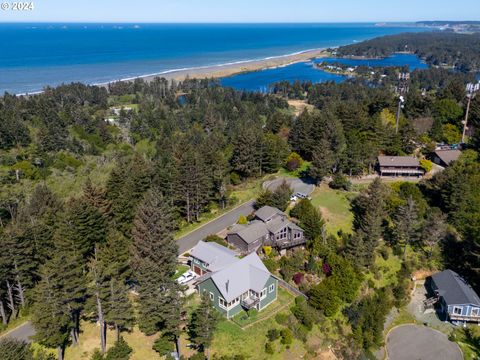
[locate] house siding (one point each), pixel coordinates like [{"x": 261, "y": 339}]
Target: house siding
[
  {"x": 210, "y": 287},
  {"x": 466, "y": 309},
  {"x": 270, "y": 296},
  {"x": 237, "y": 241},
  {"x": 198, "y": 263}
]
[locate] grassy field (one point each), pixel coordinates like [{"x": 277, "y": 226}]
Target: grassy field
[
  {"x": 90, "y": 340},
  {"x": 335, "y": 208}
]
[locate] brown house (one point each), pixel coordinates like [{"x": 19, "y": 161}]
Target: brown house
[
  {"x": 399, "y": 166},
  {"x": 445, "y": 157}
]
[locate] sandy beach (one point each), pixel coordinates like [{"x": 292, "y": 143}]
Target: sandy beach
[{"x": 219, "y": 71}]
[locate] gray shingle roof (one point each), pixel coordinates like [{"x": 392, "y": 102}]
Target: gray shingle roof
[
  {"x": 277, "y": 224},
  {"x": 241, "y": 276},
  {"x": 407, "y": 161},
  {"x": 267, "y": 212},
  {"x": 251, "y": 232},
  {"x": 215, "y": 255},
  {"x": 454, "y": 289},
  {"x": 447, "y": 156}
]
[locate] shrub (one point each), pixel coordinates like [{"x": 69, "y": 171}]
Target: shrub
[
  {"x": 384, "y": 252},
  {"x": 267, "y": 250},
  {"x": 242, "y": 220},
  {"x": 273, "y": 334},
  {"x": 298, "y": 278},
  {"x": 235, "y": 178},
  {"x": 198, "y": 356},
  {"x": 269, "y": 348},
  {"x": 163, "y": 345},
  {"x": 293, "y": 162},
  {"x": 120, "y": 351},
  {"x": 281, "y": 319},
  {"x": 426, "y": 165},
  {"x": 97, "y": 355},
  {"x": 340, "y": 181},
  {"x": 287, "y": 337},
  {"x": 270, "y": 264}
]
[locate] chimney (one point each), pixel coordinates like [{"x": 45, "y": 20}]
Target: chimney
[{"x": 226, "y": 285}]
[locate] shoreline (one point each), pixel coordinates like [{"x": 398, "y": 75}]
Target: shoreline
[{"x": 228, "y": 69}]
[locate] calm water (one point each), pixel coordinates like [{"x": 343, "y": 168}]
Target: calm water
[
  {"x": 35, "y": 55},
  {"x": 306, "y": 71}
]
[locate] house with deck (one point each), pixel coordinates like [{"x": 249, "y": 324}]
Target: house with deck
[
  {"x": 271, "y": 227},
  {"x": 399, "y": 166},
  {"x": 454, "y": 297},
  {"x": 233, "y": 284},
  {"x": 445, "y": 157}
]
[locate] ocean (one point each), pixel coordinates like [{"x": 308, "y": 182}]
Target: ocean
[{"x": 36, "y": 55}]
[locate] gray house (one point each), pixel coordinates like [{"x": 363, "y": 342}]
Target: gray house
[
  {"x": 242, "y": 284},
  {"x": 271, "y": 227},
  {"x": 454, "y": 296}
]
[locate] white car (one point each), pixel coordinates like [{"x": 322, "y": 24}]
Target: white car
[{"x": 186, "y": 277}]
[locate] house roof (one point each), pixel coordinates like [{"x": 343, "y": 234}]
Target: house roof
[
  {"x": 454, "y": 289},
  {"x": 401, "y": 161},
  {"x": 251, "y": 232},
  {"x": 447, "y": 156},
  {"x": 215, "y": 255},
  {"x": 245, "y": 274},
  {"x": 267, "y": 212}
]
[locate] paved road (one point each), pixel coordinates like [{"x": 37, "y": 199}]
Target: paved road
[
  {"x": 188, "y": 241},
  {"x": 411, "y": 342},
  {"x": 22, "y": 333}
]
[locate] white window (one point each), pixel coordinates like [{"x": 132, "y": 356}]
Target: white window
[
  {"x": 222, "y": 302},
  {"x": 212, "y": 297},
  {"x": 475, "y": 312},
  {"x": 263, "y": 293},
  {"x": 271, "y": 288},
  {"x": 457, "y": 310}
]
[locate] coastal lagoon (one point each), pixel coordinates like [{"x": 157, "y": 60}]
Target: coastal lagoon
[
  {"x": 35, "y": 55},
  {"x": 307, "y": 71}
]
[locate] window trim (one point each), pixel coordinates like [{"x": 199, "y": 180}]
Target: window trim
[
  {"x": 459, "y": 308},
  {"x": 477, "y": 310},
  {"x": 264, "y": 290},
  {"x": 271, "y": 288},
  {"x": 224, "y": 305},
  {"x": 212, "y": 296}
]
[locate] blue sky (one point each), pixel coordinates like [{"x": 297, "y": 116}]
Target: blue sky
[{"x": 244, "y": 10}]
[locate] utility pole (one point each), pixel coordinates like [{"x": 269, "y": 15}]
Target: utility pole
[
  {"x": 471, "y": 92},
  {"x": 401, "y": 90}
]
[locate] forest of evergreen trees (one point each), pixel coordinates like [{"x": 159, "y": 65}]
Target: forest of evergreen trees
[
  {"x": 436, "y": 48},
  {"x": 75, "y": 256}
]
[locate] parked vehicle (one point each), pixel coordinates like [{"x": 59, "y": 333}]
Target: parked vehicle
[{"x": 186, "y": 277}]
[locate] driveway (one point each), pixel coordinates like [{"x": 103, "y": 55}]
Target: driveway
[
  {"x": 22, "y": 332},
  {"x": 413, "y": 342},
  {"x": 188, "y": 241},
  {"x": 297, "y": 185}
]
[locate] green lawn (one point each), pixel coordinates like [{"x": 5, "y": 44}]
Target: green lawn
[
  {"x": 244, "y": 319},
  {"x": 335, "y": 208}
]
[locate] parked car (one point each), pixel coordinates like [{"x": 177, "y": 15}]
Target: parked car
[{"x": 186, "y": 277}]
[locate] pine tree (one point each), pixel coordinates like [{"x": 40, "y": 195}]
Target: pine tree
[
  {"x": 154, "y": 254},
  {"x": 407, "y": 225},
  {"x": 97, "y": 197},
  {"x": 50, "y": 316},
  {"x": 203, "y": 323}
]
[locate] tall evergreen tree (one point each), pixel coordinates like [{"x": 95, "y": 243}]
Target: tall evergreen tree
[
  {"x": 154, "y": 254},
  {"x": 407, "y": 225},
  {"x": 203, "y": 323}
]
